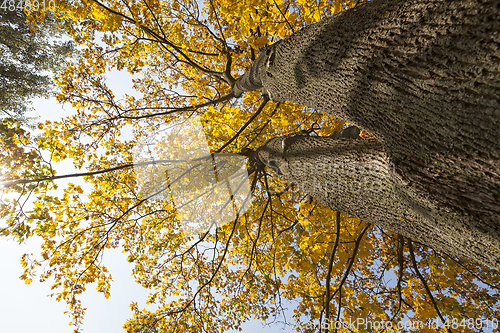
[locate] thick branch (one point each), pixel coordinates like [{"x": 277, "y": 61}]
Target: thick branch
[{"x": 251, "y": 79}]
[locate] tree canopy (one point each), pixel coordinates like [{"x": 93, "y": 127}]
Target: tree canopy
[
  {"x": 27, "y": 56},
  {"x": 183, "y": 56}
]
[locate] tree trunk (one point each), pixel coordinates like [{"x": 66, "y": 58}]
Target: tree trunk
[
  {"x": 357, "y": 176},
  {"x": 423, "y": 77}
]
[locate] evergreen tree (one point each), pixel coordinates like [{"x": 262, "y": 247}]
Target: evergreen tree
[{"x": 27, "y": 59}]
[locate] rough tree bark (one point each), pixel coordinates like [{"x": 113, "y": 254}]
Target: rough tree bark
[{"x": 423, "y": 77}]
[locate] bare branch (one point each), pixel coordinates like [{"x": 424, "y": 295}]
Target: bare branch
[
  {"x": 93, "y": 173},
  {"x": 329, "y": 272},
  {"x": 171, "y": 110},
  {"x": 351, "y": 260},
  {"x": 114, "y": 11},
  {"x": 265, "y": 125},
  {"x": 163, "y": 40},
  {"x": 401, "y": 242},
  {"x": 433, "y": 301},
  {"x": 283, "y": 14},
  {"x": 252, "y": 118},
  {"x": 227, "y": 72},
  {"x": 226, "y": 248},
  {"x": 472, "y": 273}
]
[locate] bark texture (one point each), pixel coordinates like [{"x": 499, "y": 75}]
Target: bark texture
[{"x": 423, "y": 77}]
